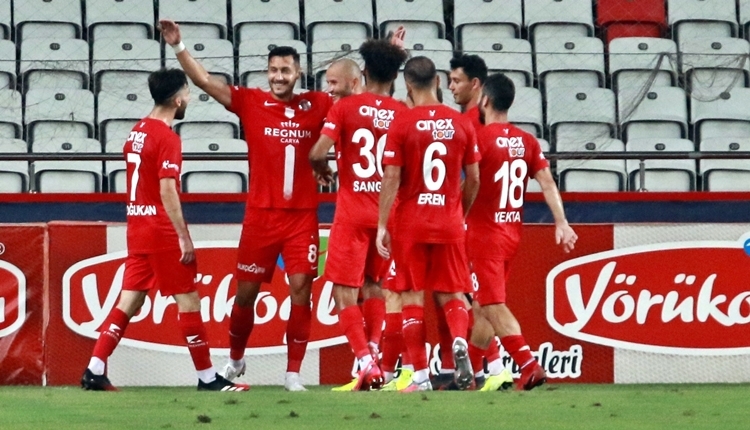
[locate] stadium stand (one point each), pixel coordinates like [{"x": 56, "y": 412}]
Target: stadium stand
[
  {"x": 590, "y": 175},
  {"x": 659, "y": 113},
  {"x": 54, "y": 63},
  {"x": 565, "y": 62},
  {"x": 556, "y": 18},
  {"x": 725, "y": 175},
  {"x": 54, "y": 113},
  {"x": 123, "y": 64},
  {"x": 726, "y": 116},
  {"x": 11, "y": 114},
  {"x": 5, "y": 19},
  {"x": 265, "y": 19},
  {"x": 526, "y": 111},
  {"x": 509, "y": 56},
  {"x": 117, "y": 112},
  {"x": 199, "y": 19},
  {"x": 642, "y": 62},
  {"x": 580, "y": 113},
  {"x": 14, "y": 175},
  {"x": 631, "y": 18},
  {"x": 698, "y": 18},
  {"x": 115, "y": 170},
  {"x": 67, "y": 176},
  {"x": 662, "y": 175},
  {"x": 423, "y": 19},
  {"x": 132, "y": 19},
  {"x": 487, "y": 20},
  {"x": 208, "y": 119},
  {"x": 216, "y": 56},
  {"x": 47, "y": 19},
  {"x": 335, "y": 19},
  {"x": 214, "y": 176},
  {"x": 711, "y": 65},
  {"x": 7, "y": 64}
]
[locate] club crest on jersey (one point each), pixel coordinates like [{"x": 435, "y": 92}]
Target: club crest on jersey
[
  {"x": 289, "y": 112},
  {"x": 515, "y": 145},
  {"x": 442, "y": 129},
  {"x": 381, "y": 118},
  {"x": 305, "y": 105}
]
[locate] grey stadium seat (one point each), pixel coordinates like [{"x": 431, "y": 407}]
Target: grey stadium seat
[
  {"x": 132, "y": 19},
  {"x": 116, "y": 170},
  {"x": 510, "y": 56},
  {"x": 216, "y": 56},
  {"x": 526, "y": 111},
  {"x": 633, "y": 62},
  {"x": 581, "y": 113},
  {"x": 80, "y": 176},
  {"x": 265, "y": 19},
  {"x": 214, "y": 176},
  {"x": 423, "y": 19},
  {"x": 54, "y": 63},
  {"x": 117, "y": 113},
  {"x": 713, "y": 65},
  {"x": 198, "y": 19},
  {"x": 65, "y": 113},
  {"x": 661, "y": 113},
  {"x": 336, "y": 19},
  {"x": 47, "y": 19},
  {"x": 725, "y": 174},
  {"x": 726, "y": 116},
  {"x": 124, "y": 64},
  {"x": 207, "y": 118},
  {"x": 14, "y": 175},
  {"x": 487, "y": 20},
  {"x": 557, "y": 18},
  {"x": 7, "y": 65},
  {"x": 699, "y": 18},
  {"x": 5, "y": 21},
  {"x": 591, "y": 175},
  {"x": 662, "y": 175},
  {"x": 570, "y": 62},
  {"x": 11, "y": 114}
]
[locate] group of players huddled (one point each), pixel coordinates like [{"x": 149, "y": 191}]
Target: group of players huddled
[{"x": 429, "y": 199}]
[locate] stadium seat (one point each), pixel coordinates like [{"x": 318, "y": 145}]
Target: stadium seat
[
  {"x": 526, "y": 110},
  {"x": 118, "y": 112},
  {"x": 59, "y": 19},
  {"x": 198, "y": 19},
  {"x": 743, "y": 9},
  {"x": 116, "y": 171},
  {"x": 423, "y": 19},
  {"x": 216, "y": 56},
  {"x": 132, "y": 19},
  {"x": 558, "y": 18},
  {"x": 510, "y": 56},
  {"x": 726, "y": 116},
  {"x": 337, "y": 19},
  {"x": 324, "y": 52},
  {"x": 659, "y": 113},
  {"x": 570, "y": 62},
  {"x": 591, "y": 175},
  {"x": 714, "y": 65},
  {"x": 214, "y": 176},
  {"x": 124, "y": 64},
  {"x": 533, "y": 186},
  {"x": 725, "y": 174},
  {"x": 62, "y": 113},
  {"x": 5, "y": 21},
  {"x": 78, "y": 176},
  {"x": 581, "y": 113},
  {"x": 440, "y": 51},
  {"x": 11, "y": 114},
  {"x": 14, "y": 175},
  {"x": 7, "y": 65},
  {"x": 265, "y": 19},
  {"x": 253, "y": 60},
  {"x": 206, "y": 118},
  {"x": 700, "y": 18},
  {"x": 54, "y": 63},
  {"x": 487, "y": 20},
  {"x": 631, "y": 18},
  {"x": 662, "y": 175},
  {"x": 639, "y": 62}
]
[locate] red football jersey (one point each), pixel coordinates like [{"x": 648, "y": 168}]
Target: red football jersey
[
  {"x": 473, "y": 116},
  {"x": 431, "y": 144},
  {"x": 152, "y": 152},
  {"x": 358, "y": 124},
  {"x": 510, "y": 156},
  {"x": 279, "y": 138}
]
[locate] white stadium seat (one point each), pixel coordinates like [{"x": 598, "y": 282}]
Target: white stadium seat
[
  {"x": 660, "y": 113},
  {"x": 558, "y": 18},
  {"x": 214, "y": 176},
  {"x": 581, "y": 113},
  {"x": 65, "y": 113},
  {"x": 253, "y": 60},
  {"x": 265, "y": 19},
  {"x": 744, "y": 14},
  {"x": 207, "y": 118},
  {"x": 132, "y": 19},
  {"x": 633, "y": 62},
  {"x": 118, "y": 112},
  {"x": 79, "y": 176},
  {"x": 533, "y": 185},
  {"x": 662, "y": 175},
  {"x": 54, "y": 63},
  {"x": 337, "y": 19},
  {"x": 526, "y": 111},
  {"x": 47, "y": 19},
  {"x": 700, "y": 18},
  {"x": 570, "y": 62},
  {"x": 714, "y": 65},
  {"x": 423, "y": 19},
  {"x": 116, "y": 170},
  {"x": 510, "y": 56},
  {"x": 11, "y": 114},
  {"x": 5, "y": 14},
  {"x": 726, "y": 116},
  {"x": 324, "y": 52},
  {"x": 7, "y": 65},
  {"x": 216, "y": 56},
  {"x": 124, "y": 64},
  {"x": 725, "y": 174},
  {"x": 591, "y": 175},
  {"x": 487, "y": 19},
  {"x": 14, "y": 175},
  {"x": 198, "y": 19}
]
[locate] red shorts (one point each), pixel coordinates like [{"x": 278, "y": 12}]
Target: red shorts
[
  {"x": 352, "y": 255},
  {"x": 161, "y": 270},
  {"x": 489, "y": 277},
  {"x": 439, "y": 267},
  {"x": 266, "y": 233}
]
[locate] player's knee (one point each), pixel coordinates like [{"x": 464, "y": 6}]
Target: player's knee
[{"x": 189, "y": 302}]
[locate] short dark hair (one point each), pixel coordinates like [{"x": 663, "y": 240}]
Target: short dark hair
[
  {"x": 500, "y": 90},
  {"x": 284, "y": 51},
  {"x": 165, "y": 83},
  {"x": 420, "y": 72},
  {"x": 382, "y": 59},
  {"x": 472, "y": 65}
]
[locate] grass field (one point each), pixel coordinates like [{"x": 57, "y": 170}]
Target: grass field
[{"x": 550, "y": 407}]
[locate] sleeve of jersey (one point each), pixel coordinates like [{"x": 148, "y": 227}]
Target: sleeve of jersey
[
  {"x": 170, "y": 158},
  {"x": 538, "y": 160},
  {"x": 393, "y": 153},
  {"x": 471, "y": 154},
  {"x": 332, "y": 126},
  {"x": 239, "y": 99}
]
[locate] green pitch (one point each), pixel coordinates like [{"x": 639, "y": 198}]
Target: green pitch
[{"x": 550, "y": 407}]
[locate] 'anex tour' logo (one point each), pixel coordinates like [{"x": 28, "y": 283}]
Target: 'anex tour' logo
[
  {"x": 91, "y": 288},
  {"x": 12, "y": 298},
  {"x": 689, "y": 298}
]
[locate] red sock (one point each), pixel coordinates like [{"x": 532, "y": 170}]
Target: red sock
[
  {"x": 414, "y": 335},
  {"x": 352, "y": 324},
  {"x": 195, "y": 336},
  {"x": 457, "y": 318},
  {"x": 492, "y": 352},
  {"x": 240, "y": 326},
  {"x": 393, "y": 342},
  {"x": 374, "y": 312},
  {"x": 112, "y": 330},
  {"x": 518, "y": 349},
  {"x": 445, "y": 339},
  {"x": 476, "y": 355},
  {"x": 297, "y": 335}
]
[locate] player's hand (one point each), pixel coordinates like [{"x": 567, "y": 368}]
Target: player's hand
[
  {"x": 383, "y": 243},
  {"x": 324, "y": 178},
  {"x": 397, "y": 38},
  {"x": 170, "y": 31},
  {"x": 188, "y": 251},
  {"x": 565, "y": 236}
]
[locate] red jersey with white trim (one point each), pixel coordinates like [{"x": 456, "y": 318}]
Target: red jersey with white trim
[
  {"x": 152, "y": 152},
  {"x": 358, "y": 124},
  {"x": 473, "y": 116},
  {"x": 510, "y": 156},
  {"x": 279, "y": 138},
  {"x": 431, "y": 144}
]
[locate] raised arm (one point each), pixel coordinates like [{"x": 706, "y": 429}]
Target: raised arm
[
  {"x": 318, "y": 160},
  {"x": 212, "y": 85},
  {"x": 171, "y": 201},
  {"x": 564, "y": 234}
]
